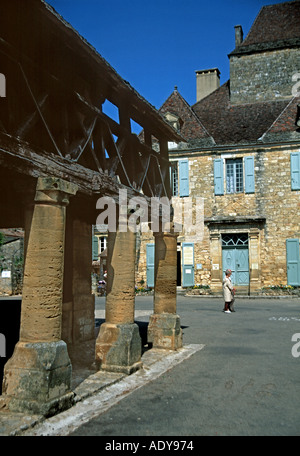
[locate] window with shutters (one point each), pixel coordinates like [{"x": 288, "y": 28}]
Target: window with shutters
[
  {"x": 179, "y": 174},
  {"x": 239, "y": 175},
  {"x": 234, "y": 176},
  {"x": 174, "y": 178},
  {"x": 103, "y": 242},
  {"x": 295, "y": 170}
]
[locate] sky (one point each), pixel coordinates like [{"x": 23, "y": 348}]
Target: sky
[{"x": 156, "y": 45}]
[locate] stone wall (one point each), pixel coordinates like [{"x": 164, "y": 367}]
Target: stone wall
[
  {"x": 11, "y": 262},
  {"x": 273, "y": 200},
  {"x": 269, "y": 216},
  {"x": 263, "y": 76}
]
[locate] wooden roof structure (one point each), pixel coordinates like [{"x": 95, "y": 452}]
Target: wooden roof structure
[{"x": 52, "y": 122}]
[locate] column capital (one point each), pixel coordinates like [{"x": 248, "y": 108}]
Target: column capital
[{"x": 53, "y": 190}]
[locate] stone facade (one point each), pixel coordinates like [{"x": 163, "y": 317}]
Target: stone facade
[
  {"x": 263, "y": 76},
  {"x": 263, "y": 64},
  {"x": 11, "y": 261},
  {"x": 268, "y": 216}
]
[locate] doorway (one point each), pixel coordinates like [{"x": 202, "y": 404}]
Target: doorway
[
  {"x": 235, "y": 256},
  {"x": 178, "y": 265}
]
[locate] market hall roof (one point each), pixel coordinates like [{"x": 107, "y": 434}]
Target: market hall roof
[
  {"x": 40, "y": 34},
  {"x": 52, "y": 119}
]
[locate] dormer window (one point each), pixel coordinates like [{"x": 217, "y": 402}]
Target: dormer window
[{"x": 174, "y": 121}]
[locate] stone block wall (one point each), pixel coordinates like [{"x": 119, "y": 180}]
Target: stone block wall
[
  {"x": 263, "y": 76},
  {"x": 271, "y": 215},
  {"x": 273, "y": 200}
]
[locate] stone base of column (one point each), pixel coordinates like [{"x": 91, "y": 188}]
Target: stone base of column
[
  {"x": 164, "y": 331},
  {"x": 119, "y": 348},
  {"x": 37, "y": 379}
]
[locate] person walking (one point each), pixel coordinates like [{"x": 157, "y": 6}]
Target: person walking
[{"x": 228, "y": 291}]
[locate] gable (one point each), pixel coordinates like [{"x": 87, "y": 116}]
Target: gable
[
  {"x": 191, "y": 127},
  {"x": 285, "y": 126}
]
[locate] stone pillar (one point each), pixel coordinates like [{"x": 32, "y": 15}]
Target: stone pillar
[
  {"x": 164, "y": 329},
  {"x": 119, "y": 346},
  {"x": 37, "y": 379}
]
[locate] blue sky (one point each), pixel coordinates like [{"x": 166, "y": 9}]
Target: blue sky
[{"x": 158, "y": 44}]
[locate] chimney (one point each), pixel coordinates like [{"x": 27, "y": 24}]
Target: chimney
[
  {"x": 239, "y": 35},
  {"x": 207, "y": 82}
]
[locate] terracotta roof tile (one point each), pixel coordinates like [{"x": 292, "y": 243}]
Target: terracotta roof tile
[
  {"x": 286, "y": 121},
  {"x": 275, "y": 22},
  {"x": 229, "y": 124},
  {"x": 284, "y": 126},
  {"x": 276, "y": 26}
]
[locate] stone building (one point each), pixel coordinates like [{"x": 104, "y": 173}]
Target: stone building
[
  {"x": 11, "y": 261},
  {"x": 241, "y": 161}
]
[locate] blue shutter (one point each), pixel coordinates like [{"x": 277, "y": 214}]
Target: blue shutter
[
  {"x": 249, "y": 174},
  {"x": 187, "y": 264},
  {"x": 295, "y": 170},
  {"x": 218, "y": 176},
  {"x": 293, "y": 261},
  {"x": 150, "y": 255},
  {"x": 95, "y": 248},
  {"x": 183, "y": 177}
]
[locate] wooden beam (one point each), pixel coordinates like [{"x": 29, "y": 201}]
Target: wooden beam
[
  {"x": 20, "y": 157},
  {"x": 31, "y": 119}
]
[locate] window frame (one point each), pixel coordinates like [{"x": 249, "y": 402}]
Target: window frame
[
  {"x": 174, "y": 178},
  {"x": 179, "y": 177},
  {"x": 235, "y": 181}
]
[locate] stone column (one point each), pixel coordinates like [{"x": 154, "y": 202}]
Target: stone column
[
  {"x": 119, "y": 346},
  {"x": 37, "y": 379},
  {"x": 164, "y": 329}
]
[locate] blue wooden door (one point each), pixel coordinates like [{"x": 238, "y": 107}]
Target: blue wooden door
[
  {"x": 293, "y": 262},
  {"x": 187, "y": 264},
  {"x": 150, "y": 265},
  {"x": 242, "y": 266},
  {"x": 237, "y": 259},
  {"x": 229, "y": 262}
]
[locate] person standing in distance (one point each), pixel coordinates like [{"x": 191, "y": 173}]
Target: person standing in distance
[{"x": 228, "y": 291}]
